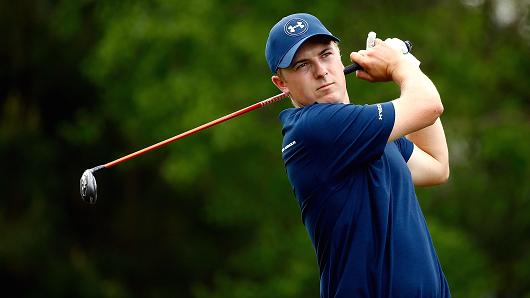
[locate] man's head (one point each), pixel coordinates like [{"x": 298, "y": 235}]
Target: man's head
[{"x": 305, "y": 61}]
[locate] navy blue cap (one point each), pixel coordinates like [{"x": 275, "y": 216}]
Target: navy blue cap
[{"x": 288, "y": 35}]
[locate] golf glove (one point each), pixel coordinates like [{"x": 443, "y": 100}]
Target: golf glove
[
  {"x": 398, "y": 44},
  {"x": 395, "y": 43}
]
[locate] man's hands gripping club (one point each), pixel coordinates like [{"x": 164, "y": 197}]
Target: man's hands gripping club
[{"x": 381, "y": 59}]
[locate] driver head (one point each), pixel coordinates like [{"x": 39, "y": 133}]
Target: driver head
[{"x": 88, "y": 187}]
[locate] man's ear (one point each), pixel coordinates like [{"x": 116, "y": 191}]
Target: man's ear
[{"x": 280, "y": 83}]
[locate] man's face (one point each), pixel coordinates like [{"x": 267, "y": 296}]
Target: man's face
[{"x": 315, "y": 75}]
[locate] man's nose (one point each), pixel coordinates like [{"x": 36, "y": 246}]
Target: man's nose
[{"x": 319, "y": 70}]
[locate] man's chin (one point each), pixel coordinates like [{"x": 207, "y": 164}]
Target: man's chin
[{"x": 330, "y": 98}]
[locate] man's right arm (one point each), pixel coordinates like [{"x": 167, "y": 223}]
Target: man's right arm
[
  {"x": 417, "y": 111},
  {"x": 419, "y": 104}
]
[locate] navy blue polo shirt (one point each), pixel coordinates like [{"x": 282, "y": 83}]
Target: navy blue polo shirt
[{"x": 358, "y": 202}]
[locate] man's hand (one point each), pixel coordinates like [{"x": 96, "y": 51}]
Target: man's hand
[
  {"x": 402, "y": 46},
  {"x": 379, "y": 62}
]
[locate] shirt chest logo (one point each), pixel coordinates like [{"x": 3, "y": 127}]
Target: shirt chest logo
[{"x": 288, "y": 146}]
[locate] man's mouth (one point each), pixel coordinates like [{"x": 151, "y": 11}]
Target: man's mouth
[{"x": 324, "y": 86}]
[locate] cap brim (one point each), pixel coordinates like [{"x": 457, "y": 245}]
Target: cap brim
[{"x": 288, "y": 58}]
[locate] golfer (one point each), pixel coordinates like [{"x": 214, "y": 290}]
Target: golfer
[{"x": 353, "y": 167}]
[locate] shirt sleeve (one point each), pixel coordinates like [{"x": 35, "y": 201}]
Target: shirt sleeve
[
  {"x": 348, "y": 134},
  {"x": 405, "y": 147}
]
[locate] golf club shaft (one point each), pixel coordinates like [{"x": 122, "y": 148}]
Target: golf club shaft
[
  {"x": 199, "y": 128},
  {"x": 347, "y": 70}
]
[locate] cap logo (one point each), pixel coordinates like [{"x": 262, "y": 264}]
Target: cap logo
[{"x": 295, "y": 27}]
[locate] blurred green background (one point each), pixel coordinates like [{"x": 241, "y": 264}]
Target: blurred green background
[{"x": 84, "y": 82}]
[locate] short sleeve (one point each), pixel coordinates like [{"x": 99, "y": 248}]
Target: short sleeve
[
  {"x": 349, "y": 134},
  {"x": 405, "y": 147}
]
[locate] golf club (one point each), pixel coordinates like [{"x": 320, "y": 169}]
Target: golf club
[{"x": 88, "y": 185}]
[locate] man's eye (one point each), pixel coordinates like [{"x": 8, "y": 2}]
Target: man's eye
[
  {"x": 300, "y": 66},
  {"x": 326, "y": 54}
]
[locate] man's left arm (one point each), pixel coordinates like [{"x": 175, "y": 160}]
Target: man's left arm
[{"x": 429, "y": 162}]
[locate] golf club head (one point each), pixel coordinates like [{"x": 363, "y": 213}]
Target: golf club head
[{"x": 88, "y": 187}]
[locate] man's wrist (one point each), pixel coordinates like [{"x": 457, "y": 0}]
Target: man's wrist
[{"x": 404, "y": 71}]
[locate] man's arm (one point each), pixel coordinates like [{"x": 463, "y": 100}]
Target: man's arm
[
  {"x": 417, "y": 110},
  {"x": 418, "y": 104},
  {"x": 429, "y": 162}
]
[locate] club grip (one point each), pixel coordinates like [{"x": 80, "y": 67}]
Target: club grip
[{"x": 354, "y": 66}]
